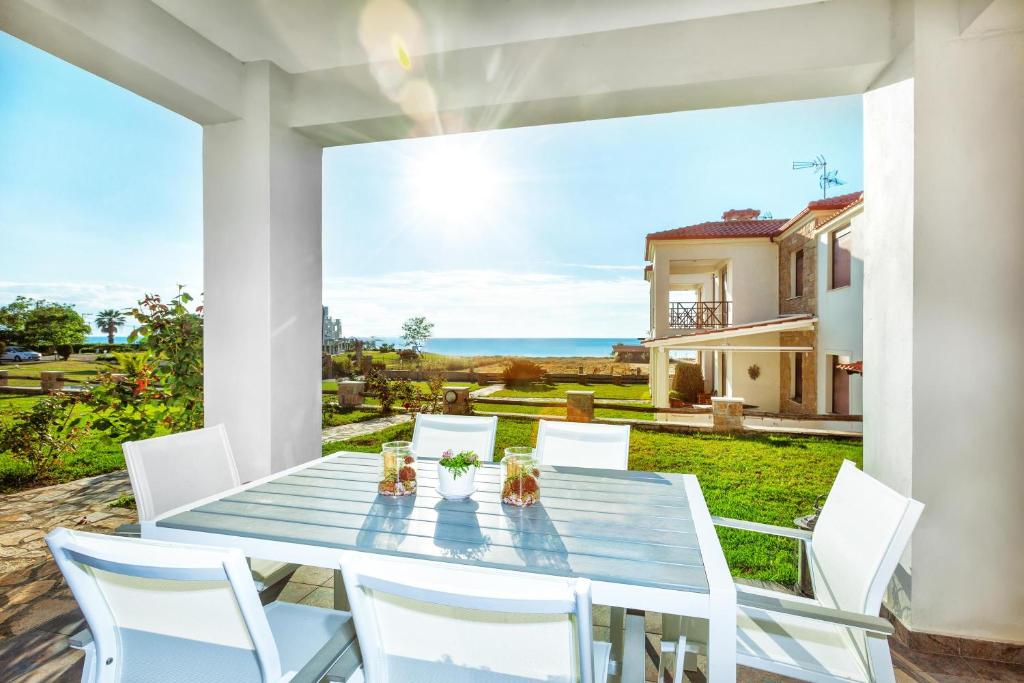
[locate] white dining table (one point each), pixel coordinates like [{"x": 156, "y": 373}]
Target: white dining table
[{"x": 644, "y": 539}]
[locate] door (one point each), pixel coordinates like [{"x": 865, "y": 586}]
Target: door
[{"x": 840, "y": 388}]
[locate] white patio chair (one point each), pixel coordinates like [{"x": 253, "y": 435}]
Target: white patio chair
[
  {"x": 429, "y": 621},
  {"x": 576, "y": 444},
  {"x": 434, "y": 434},
  {"x": 863, "y": 529},
  {"x": 171, "y": 471},
  {"x": 171, "y": 612}
]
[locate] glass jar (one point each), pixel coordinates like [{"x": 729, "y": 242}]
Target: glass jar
[
  {"x": 520, "y": 477},
  {"x": 397, "y": 469}
]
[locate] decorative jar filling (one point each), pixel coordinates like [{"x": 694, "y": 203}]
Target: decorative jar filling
[
  {"x": 521, "y": 486},
  {"x": 397, "y": 469}
]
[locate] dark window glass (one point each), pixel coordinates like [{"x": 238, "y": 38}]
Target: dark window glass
[
  {"x": 798, "y": 273},
  {"x": 841, "y": 259},
  {"x": 798, "y": 377}
]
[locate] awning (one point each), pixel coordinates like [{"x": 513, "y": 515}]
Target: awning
[
  {"x": 725, "y": 338},
  {"x": 855, "y": 368}
]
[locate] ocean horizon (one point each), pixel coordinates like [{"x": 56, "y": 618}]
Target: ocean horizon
[{"x": 532, "y": 347}]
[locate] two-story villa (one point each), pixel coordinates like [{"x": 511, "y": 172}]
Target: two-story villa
[{"x": 744, "y": 293}]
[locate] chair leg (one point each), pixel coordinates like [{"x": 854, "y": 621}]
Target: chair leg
[
  {"x": 634, "y": 655},
  {"x": 881, "y": 659},
  {"x": 616, "y": 627},
  {"x": 340, "y": 596},
  {"x": 673, "y": 648}
]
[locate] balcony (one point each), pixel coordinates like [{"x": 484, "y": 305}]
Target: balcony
[{"x": 699, "y": 315}]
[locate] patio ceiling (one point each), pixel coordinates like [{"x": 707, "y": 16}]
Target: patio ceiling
[{"x": 386, "y": 69}]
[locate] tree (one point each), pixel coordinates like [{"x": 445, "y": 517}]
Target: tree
[
  {"x": 108, "y": 321},
  {"x": 12, "y": 320},
  {"x": 416, "y": 332},
  {"x": 48, "y": 324}
]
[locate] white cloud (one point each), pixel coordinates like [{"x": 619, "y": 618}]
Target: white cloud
[{"x": 489, "y": 303}]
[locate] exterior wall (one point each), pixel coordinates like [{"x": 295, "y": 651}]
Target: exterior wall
[
  {"x": 810, "y": 384},
  {"x": 799, "y": 239},
  {"x": 840, "y": 314},
  {"x": 764, "y": 391},
  {"x": 751, "y": 278}
]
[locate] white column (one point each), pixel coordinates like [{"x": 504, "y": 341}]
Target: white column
[
  {"x": 660, "y": 378},
  {"x": 262, "y": 281},
  {"x": 661, "y": 283},
  {"x": 944, "y": 324}
]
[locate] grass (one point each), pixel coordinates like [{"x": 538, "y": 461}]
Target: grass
[
  {"x": 600, "y": 413},
  {"x": 638, "y": 392},
  {"x": 75, "y": 371},
  {"x": 350, "y": 415},
  {"x": 332, "y": 385},
  {"x": 769, "y": 478}
]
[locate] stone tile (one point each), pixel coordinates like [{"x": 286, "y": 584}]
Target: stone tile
[
  {"x": 997, "y": 652},
  {"x": 295, "y": 592},
  {"x": 319, "y": 597},
  {"x": 922, "y": 666},
  {"x": 315, "y": 576},
  {"x": 37, "y": 656},
  {"x": 997, "y": 671},
  {"x": 934, "y": 644}
]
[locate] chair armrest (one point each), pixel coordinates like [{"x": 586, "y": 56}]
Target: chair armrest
[
  {"x": 81, "y": 639},
  {"x": 771, "y": 529},
  {"x": 328, "y": 657},
  {"x": 864, "y": 622},
  {"x": 131, "y": 530}
]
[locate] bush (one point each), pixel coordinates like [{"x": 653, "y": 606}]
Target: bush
[
  {"x": 342, "y": 366},
  {"x": 64, "y": 351},
  {"x": 520, "y": 371},
  {"x": 408, "y": 354},
  {"x": 688, "y": 382}
]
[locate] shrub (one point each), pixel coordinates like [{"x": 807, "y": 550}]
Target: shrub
[
  {"x": 43, "y": 435},
  {"x": 342, "y": 366},
  {"x": 520, "y": 371},
  {"x": 64, "y": 351},
  {"x": 688, "y": 382},
  {"x": 408, "y": 354}
]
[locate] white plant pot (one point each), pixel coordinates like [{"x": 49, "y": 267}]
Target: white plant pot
[{"x": 451, "y": 488}]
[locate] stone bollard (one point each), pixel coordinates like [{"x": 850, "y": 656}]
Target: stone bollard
[
  {"x": 579, "y": 406},
  {"x": 727, "y": 413},
  {"x": 51, "y": 380},
  {"x": 350, "y": 393},
  {"x": 456, "y": 401},
  {"x": 3, "y": 378}
]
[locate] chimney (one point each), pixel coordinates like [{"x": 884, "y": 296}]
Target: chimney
[{"x": 741, "y": 215}]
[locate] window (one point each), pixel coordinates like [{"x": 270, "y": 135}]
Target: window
[
  {"x": 841, "y": 240},
  {"x": 840, "y": 387},
  {"x": 796, "y": 287},
  {"x": 796, "y": 376}
]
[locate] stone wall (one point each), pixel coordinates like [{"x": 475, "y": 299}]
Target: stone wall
[
  {"x": 788, "y": 246},
  {"x": 809, "y": 404}
]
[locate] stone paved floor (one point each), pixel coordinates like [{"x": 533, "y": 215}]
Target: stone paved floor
[
  {"x": 38, "y": 613},
  {"x": 354, "y": 429}
]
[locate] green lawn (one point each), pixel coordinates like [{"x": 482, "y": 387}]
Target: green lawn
[
  {"x": 350, "y": 415},
  {"x": 612, "y": 391},
  {"x": 332, "y": 385},
  {"x": 600, "y": 413},
  {"x": 770, "y": 478},
  {"x": 74, "y": 371}
]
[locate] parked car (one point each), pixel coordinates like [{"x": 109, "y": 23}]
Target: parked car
[{"x": 16, "y": 353}]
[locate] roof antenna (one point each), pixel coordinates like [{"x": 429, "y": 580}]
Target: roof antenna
[{"x": 826, "y": 178}]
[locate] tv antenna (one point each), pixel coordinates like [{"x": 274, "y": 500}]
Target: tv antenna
[{"x": 826, "y": 178}]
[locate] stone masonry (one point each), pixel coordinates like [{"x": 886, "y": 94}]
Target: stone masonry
[
  {"x": 799, "y": 240},
  {"x": 809, "y": 404}
]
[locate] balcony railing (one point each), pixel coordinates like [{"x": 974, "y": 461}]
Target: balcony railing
[{"x": 701, "y": 315}]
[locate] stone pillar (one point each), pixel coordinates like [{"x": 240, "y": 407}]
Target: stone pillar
[
  {"x": 262, "y": 280},
  {"x": 727, "y": 413},
  {"x": 3, "y": 378},
  {"x": 579, "y": 406},
  {"x": 456, "y": 401},
  {"x": 326, "y": 366},
  {"x": 51, "y": 380},
  {"x": 350, "y": 393},
  {"x": 365, "y": 364}
]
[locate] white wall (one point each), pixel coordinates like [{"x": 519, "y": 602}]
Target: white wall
[
  {"x": 944, "y": 323},
  {"x": 763, "y": 392},
  {"x": 752, "y": 279},
  {"x": 840, "y": 317}
]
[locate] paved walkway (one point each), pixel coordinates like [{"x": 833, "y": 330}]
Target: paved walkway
[
  {"x": 486, "y": 391},
  {"x": 354, "y": 429}
]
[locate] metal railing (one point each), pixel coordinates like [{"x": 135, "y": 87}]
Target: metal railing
[{"x": 700, "y": 315}]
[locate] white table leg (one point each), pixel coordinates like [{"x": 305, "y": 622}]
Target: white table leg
[{"x": 722, "y": 640}]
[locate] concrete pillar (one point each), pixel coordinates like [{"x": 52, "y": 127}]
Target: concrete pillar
[
  {"x": 727, "y": 413},
  {"x": 659, "y": 379},
  {"x": 456, "y": 401},
  {"x": 51, "y": 380},
  {"x": 579, "y": 406},
  {"x": 661, "y": 282},
  {"x": 3, "y": 378},
  {"x": 262, "y": 281},
  {"x": 350, "y": 393},
  {"x": 942, "y": 142}
]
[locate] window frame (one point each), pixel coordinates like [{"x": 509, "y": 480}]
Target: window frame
[{"x": 833, "y": 237}]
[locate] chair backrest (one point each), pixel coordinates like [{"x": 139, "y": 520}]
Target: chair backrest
[
  {"x": 575, "y": 444},
  {"x": 434, "y": 434},
  {"x": 420, "y": 621},
  {"x": 165, "y": 611},
  {"x": 858, "y": 539},
  {"x": 171, "y": 471}
]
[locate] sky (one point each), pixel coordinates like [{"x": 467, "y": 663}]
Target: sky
[{"x": 530, "y": 232}]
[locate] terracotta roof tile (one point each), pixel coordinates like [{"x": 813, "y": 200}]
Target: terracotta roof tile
[{"x": 834, "y": 204}]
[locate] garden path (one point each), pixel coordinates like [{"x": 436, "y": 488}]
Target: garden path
[{"x": 354, "y": 429}]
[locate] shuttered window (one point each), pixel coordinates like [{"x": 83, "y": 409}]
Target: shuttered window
[{"x": 841, "y": 242}]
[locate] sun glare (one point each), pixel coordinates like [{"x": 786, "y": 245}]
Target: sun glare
[{"x": 454, "y": 186}]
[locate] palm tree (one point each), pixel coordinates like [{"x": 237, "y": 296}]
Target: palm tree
[{"x": 108, "y": 321}]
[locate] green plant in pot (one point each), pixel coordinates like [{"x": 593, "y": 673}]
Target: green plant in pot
[{"x": 456, "y": 474}]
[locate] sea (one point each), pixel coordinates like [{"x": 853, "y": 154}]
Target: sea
[{"x": 535, "y": 347}]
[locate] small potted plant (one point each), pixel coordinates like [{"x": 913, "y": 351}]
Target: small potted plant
[{"x": 456, "y": 474}]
